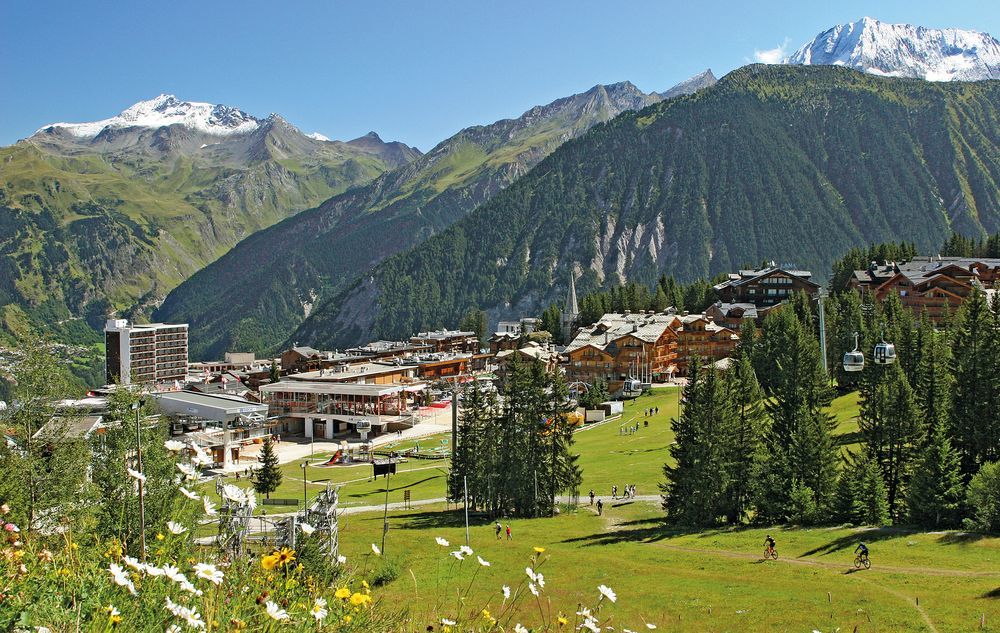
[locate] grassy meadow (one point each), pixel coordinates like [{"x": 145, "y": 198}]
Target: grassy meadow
[{"x": 714, "y": 580}]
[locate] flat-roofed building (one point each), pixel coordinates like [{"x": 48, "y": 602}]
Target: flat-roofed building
[
  {"x": 221, "y": 424},
  {"x": 330, "y": 409},
  {"x": 145, "y": 353},
  {"x": 448, "y": 341}
]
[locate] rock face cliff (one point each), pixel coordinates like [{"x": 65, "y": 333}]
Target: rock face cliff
[
  {"x": 790, "y": 163},
  {"x": 273, "y": 279},
  {"x": 111, "y": 215}
]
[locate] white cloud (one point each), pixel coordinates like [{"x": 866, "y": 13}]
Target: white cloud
[{"x": 774, "y": 55}]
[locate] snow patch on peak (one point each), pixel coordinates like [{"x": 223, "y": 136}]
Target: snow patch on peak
[
  {"x": 904, "y": 50},
  {"x": 164, "y": 110},
  {"x": 316, "y": 136}
]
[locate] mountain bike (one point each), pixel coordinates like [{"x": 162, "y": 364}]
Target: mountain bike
[
  {"x": 770, "y": 552},
  {"x": 862, "y": 559}
]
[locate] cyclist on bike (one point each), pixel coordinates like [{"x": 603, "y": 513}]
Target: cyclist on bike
[
  {"x": 769, "y": 542},
  {"x": 862, "y": 550}
]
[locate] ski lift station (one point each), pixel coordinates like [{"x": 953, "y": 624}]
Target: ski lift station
[{"x": 221, "y": 424}]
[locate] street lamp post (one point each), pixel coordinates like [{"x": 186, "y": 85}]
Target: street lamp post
[
  {"x": 305, "y": 498},
  {"x": 137, "y": 407}
]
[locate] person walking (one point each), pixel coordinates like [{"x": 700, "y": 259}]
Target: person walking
[
  {"x": 509, "y": 537},
  {"x": 591, "y": 496},
  {"x": 614, "y": 491},
  {"x": 600, "y": 507},
  {"x": 499, "y": 529}
]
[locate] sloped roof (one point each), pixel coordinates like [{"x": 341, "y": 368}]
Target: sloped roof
[
  {"x": 746, "y": 276},
  {"x": 613, "y": 326}
]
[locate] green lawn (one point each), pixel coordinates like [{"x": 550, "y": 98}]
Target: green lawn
[
  {"x": 607, "y": 457},
  {"x": 706, "y": 581}
]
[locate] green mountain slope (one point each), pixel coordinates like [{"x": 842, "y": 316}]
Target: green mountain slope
[
  {"x": 785, "y": 163},
  {"x": 259, "y": 292},
  {"x": 94, "y": 224}
]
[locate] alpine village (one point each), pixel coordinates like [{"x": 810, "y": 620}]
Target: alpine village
[{"x": 724, "y": 357}]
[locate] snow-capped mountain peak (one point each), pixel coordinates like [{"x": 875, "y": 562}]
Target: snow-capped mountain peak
[
  {"x": 316, "y": 136},
  {"x": 904, "y": 50},
  {"x": 165, "y": 110}
]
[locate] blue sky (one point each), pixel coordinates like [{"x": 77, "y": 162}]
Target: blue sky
[{"x": 413, "y": 71}]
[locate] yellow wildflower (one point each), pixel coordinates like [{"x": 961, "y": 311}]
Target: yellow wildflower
[
  {"x": 343, "y": 593},
  {"x": 539, "y": 550},
  {"x": 285, "y": 556},
  {"x": 269, "y": 561},
  {"x": 159, "y": 536},
  {"x": 562, "y": 621},
  {"x": 359, "y": 599},
  {"x": 348, "y": 618}
]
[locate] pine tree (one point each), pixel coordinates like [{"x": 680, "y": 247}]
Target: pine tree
[
  {"x": 975, "y": 425},
  {"x": 275, "y": 373},
  {"x": 695, "y": 489},
  {"x": 267, "y": 478},
  {"x": 552, "y": 322},
  {"x": 983, "y": 498},
  {"x": 889, "y": 426},
  {"x": 744, "y": 441},
  {"x": 595, "y": 395},
  {"x": 871, "y": 504},
  {"x": 477, "y": 322},
  {"x": 935, "y": 490},
  {"x": 660, "y": 301},
  {"x": 934, "y": 381},
  {"x": 801, "y": 453}
]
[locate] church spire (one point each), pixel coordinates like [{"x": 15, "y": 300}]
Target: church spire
[{"x": 571, "y": 307}]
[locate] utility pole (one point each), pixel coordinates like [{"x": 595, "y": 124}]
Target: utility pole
[
  {"x": 465, "y": 483},
  {"x": 385, "y": 513},
  {"x": 822, "y": 328},
  {"x": 137, "y": 407}
]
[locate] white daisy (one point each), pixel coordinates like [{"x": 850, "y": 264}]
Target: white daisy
[
  {"x": 607, "y": 592},
  {"x": 173, "y": 573},
  {"x": 135, "y": 474},
  {"x": 447, "y": 622},
  {"x": 193, "y": 496},
  {"x": 209, "y": 506},
  {"x": 208, "y": 572},
  {"x": 650, "y": 626},
  {"x": 173, "y": 446},
  {"x": 533, "y": 588},
  {"x": 483, "y": 562},
  {"x": 153, "y": 570},
  {"x": 465, "y": 549},
  {"x": 519, "y": 629},
  {"x": 457, "y": 554},
  {"x": 506, "y": 592},
  {"x": 307, "y": 529},
  {"x": 341, "y": 559},
  {"x": 442, "y": 542},
  {"x": 188, "y": 471},
  {"x": 133, "y": 563},
  {"x": 375, "y": 549},
  {"x": 319, "y": 610},
  {"x": 176, "y": 528},
  {"x": 276, "y": 612},
  {"x": 121, "y": 578}
]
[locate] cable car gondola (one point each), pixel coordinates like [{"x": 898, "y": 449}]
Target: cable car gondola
[
  {"x": 885, "y": 353},
  {"x": 854, "y": 360}
]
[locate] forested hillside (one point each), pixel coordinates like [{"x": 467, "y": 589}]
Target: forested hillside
[
  {"x": 272, "y": 280},
  {"x": 795, "y": 164}
]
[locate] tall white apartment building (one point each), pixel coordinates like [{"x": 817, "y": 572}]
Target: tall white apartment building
[{"x": 146, "y": 353}]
